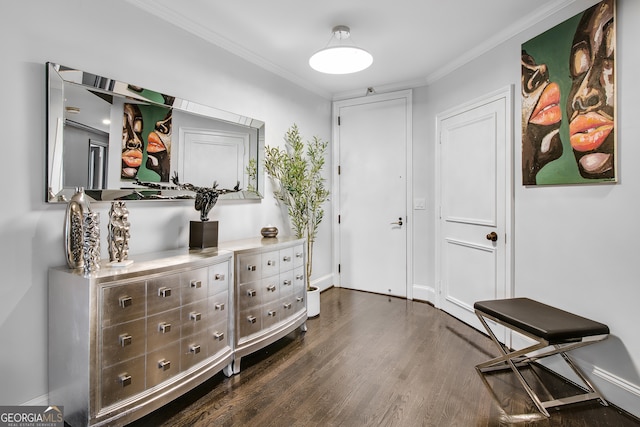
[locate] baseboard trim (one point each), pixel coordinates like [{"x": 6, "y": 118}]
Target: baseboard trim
[
  {"x": 324, "y": 282},
  {"x": 42, "y": 400},
  {"x": 424, "y": 293},
  {"x": 617, "y": 381}
]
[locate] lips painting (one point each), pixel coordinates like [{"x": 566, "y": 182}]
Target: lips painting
[
  {"x": 547, "y": 111},
  {"x": 588, "y": 131}
]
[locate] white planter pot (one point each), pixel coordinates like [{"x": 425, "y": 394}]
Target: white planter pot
[{"x": 313, "y": 302}]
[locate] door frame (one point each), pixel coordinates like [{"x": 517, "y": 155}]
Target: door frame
[
  {"x": 407, "y": 95},
  {"x": 505, "y": 93}
]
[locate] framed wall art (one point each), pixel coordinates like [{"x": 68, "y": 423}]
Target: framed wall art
[{"x": 569, "y": 101}]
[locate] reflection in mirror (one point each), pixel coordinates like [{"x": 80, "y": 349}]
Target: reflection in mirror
[{"x": 123, "y": 142}]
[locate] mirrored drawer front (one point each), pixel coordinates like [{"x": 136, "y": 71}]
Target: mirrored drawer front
[
  {"x": 163, "y": 293},
  {"x": 270, "y": 263},
  {"x": 163, "y": 329},
  {"x": 218, "y": 338},
  {"x": 195, "y": 318},
  {"x": 270, "y": 289},
  {"x": 162, "y": 364},
  {"x": 249, "y": 295},
  {"x": 249, "y": 267},
  {"x": 271, "y": 314},
  {"x": 286, "y": 283},
  {"x": 298, "y": 279},
  {"x": 122, "y": 380},
  {"x": 298, "y": 300},
  {"x": 298, "y": 256},
  {"x": 124, "y": 302},
  {"x": 122, "y": 342},
  {"x": 286, "y": 259},
  {"x": 287, "y": 307},
  {"x": 194, "y": 285},
  {"x": 219, "y": 278},
  {"x": 249, "y": 321},
  {"x": 219, "y": 307},
  {"x": 193, "y": 350}
]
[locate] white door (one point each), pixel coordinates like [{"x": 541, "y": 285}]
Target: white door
[
  {"x": 372, "y": 150},
  {"x": 474, "y": 186}
]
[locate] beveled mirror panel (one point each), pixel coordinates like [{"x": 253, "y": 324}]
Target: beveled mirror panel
[{"x": 124, "y": 142}]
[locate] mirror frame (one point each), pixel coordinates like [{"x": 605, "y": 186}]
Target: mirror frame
[{"x": 58, "y": 76}]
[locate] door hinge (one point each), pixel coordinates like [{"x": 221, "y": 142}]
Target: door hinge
[
  {"x": 339, "y": 267},
  {"x": 339, "y": 169},
  {"x": 338, "y": 120},
  {"x": 338, "y": 219}
]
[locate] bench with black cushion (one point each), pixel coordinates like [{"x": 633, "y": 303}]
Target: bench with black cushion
[{"x": 550, "y": 327}]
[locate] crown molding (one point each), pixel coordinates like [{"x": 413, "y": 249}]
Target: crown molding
[{"x": 500, "y": 37}]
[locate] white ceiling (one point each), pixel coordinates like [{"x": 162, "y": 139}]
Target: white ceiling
[{"x": 413, "y": 42}]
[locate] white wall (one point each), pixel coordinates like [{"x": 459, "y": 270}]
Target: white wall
[
  {"x": 575, "y": 246},
  {"x": 116, "y": 40}
]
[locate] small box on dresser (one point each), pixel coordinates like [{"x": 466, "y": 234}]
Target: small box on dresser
[{"x": 125, "y": 341}]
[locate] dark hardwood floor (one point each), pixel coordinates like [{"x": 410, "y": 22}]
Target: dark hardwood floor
[{"x": 372, "y": 360}]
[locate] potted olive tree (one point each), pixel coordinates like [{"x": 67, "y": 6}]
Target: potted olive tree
[{"x": 299, "y": 186}]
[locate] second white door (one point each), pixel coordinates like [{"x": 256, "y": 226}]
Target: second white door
[{"x": 474, "y": 212}]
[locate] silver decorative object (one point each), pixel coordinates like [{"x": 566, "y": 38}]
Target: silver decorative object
[
  {"x": 118, "y": 232},
  {"x": 73, "y": 228},
  {"x": 269, "y": 231},
  {"x": 91, "y": 243}
]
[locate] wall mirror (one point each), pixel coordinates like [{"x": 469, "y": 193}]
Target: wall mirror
[{"x": 124, "y": 142}]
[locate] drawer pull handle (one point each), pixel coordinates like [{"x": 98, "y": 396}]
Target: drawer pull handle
[
  {"x": 272, "y": 313},
  {"x": 251, "y": 293},
  {"x": 299, "y": 255},
  {"x": 218, "y": 336},
  {"x": 125, "y": 340},
  {"x": 195, "y": 316},
  {"x": 164, "y": 292},
  {"x": 125, "y": 379},
  {"x": 126, "y": 302},
  {"x": 299, "y": 276},
  {"x": 251, "y": 268},
  {"x": 164, "y": 327},
  {"x": 287, "y": 305},
  {"x": 286, "y": 258},
  {"x": 196, "y": 284},
  {"x": 164, "y": 365},
  {"x": 271, "y": 262},
  {"x": 271, "y": 288},
  {"x": 251, "y": 319},
  {"x": 299, "y": 299},
  {"x": 286, "y": 282},
  {"x": 194, "y": 348},
  {"x": 219, "y": 277},
  {"x": 220, "y": 306}
]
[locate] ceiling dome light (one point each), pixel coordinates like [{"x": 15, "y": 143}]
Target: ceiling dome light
[{"x": 340, "y": 56}]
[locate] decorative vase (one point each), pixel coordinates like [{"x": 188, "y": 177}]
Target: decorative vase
[
  {"x": 119, "y": 232},
  {"x": 91, "y": 242},
  {"x": 73, "y": 228},
  {"x": 269, "y": 231},
  {"x": 313, "y": 301}
]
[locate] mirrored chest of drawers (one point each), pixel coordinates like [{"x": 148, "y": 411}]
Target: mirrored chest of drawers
[
  {"x": 270, "y": 292},
  {"x": 125, "y": 341}
]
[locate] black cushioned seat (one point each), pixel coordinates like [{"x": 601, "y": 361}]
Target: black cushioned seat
[
  {"x": 553, "y": 331},
  {"x": 552, "y": 324}
]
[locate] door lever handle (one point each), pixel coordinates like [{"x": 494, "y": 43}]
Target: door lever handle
[{"x": 399, "y": 222}]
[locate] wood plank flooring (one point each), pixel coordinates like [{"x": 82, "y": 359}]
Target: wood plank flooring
[{"x": 372, "y": 360}]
